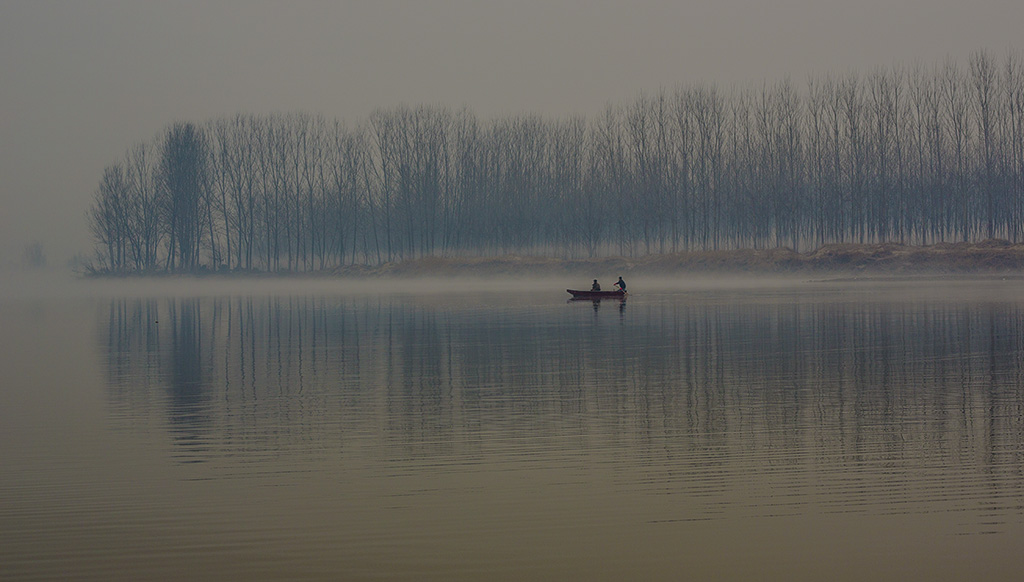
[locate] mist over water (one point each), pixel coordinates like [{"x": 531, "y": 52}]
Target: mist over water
[{"x": 491, "y": 429}]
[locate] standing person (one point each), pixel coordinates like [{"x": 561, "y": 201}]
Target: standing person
[
  {"x": 595, "y": 286},
  {"x": 621, "y": 284}
]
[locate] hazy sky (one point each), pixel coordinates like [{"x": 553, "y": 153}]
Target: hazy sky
[{"x": 81, "y": 81}]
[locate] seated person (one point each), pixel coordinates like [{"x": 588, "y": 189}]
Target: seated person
[
  {"x": 596, "y": 286},
  {"x": 621, "y": 284}
]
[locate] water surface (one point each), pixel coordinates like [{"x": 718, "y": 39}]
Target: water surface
[{"x": 806, "y": 431}]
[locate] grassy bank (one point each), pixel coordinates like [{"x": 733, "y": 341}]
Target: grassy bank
[
  {"x": 987, "y": 257},
  {"x": 992, "y": 257}
]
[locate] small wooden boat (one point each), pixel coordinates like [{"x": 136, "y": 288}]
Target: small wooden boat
[{"x": 580, "y": 294}]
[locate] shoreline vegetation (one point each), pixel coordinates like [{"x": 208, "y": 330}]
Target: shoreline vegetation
[
  {"x": 916, "y": 154},
  {"x": 989, "y": 257}
]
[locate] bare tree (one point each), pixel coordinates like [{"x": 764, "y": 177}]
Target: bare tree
[
  {"x": 107, "y": 219},
  {"x": 184, "y": 176},
  {"x": 984, "y": 96},
  {"x": 921, "y": 154},
  {"x": 33, "y": 256}
]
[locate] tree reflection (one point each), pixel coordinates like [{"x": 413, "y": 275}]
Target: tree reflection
[
  {"x": 189, "y": 380},
  {"x": 683, "y": 391}
]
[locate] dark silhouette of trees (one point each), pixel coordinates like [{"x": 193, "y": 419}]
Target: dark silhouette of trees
[
  {"x": 913, "y": 155},
  {"x": 33, "y": 256},
  {"x": 187, "y": 201}
]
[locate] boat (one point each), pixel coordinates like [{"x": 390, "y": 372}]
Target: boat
[{"x": 580, "y": 294}]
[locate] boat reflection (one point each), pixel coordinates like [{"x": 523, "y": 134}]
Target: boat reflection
[{"x": 596, "y": 301}]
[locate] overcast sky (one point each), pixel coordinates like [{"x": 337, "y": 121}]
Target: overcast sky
[{"x": 81, "y": 81}]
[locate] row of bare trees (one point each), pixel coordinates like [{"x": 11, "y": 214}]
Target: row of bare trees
[{"x": 907, "y": 154}]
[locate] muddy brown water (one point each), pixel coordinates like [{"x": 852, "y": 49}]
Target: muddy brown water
[{"x": 794, "y": 432}]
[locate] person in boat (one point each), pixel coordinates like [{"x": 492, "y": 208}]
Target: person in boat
[
  {"x": 596, "y": 286},
  {"x": 620, "y": 284}
]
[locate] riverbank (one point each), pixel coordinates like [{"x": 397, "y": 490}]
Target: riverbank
[
  {"x": 991, "y": 257},
  {"x": 994, "y": 257}
]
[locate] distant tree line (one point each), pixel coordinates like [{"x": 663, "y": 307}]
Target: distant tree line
[{"x": 917, "y": 154}]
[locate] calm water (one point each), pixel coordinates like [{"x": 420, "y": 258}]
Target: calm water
[{"x": 811, "y": 431}]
